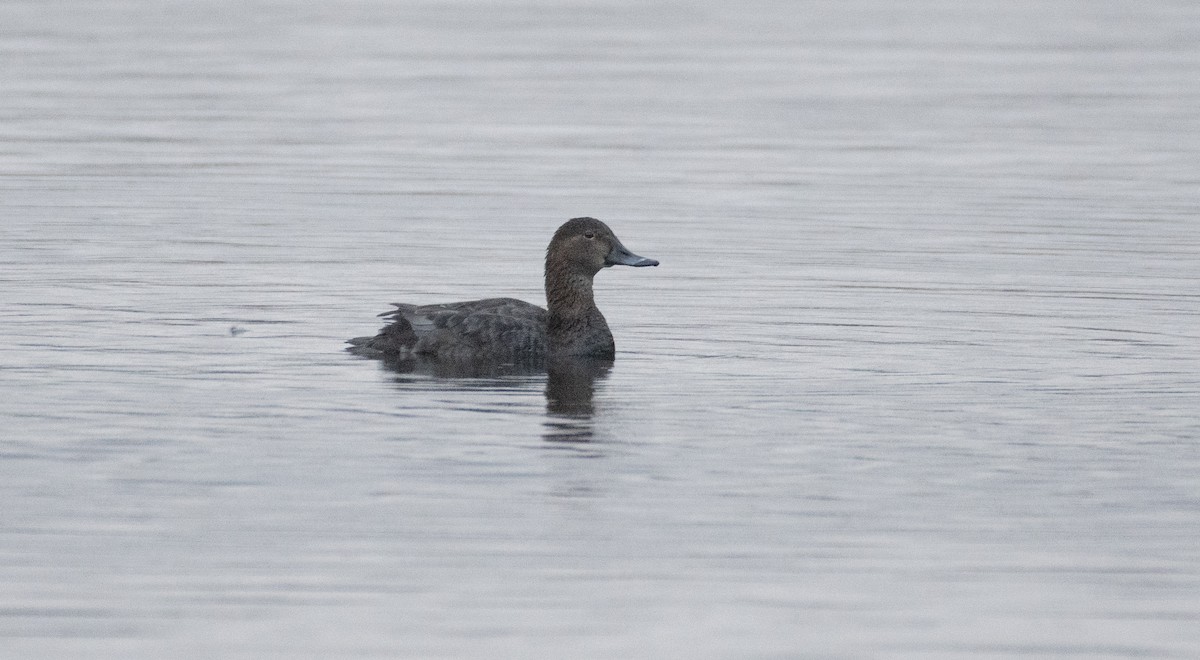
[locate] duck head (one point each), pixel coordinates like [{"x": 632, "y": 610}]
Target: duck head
[{"x": 588, "y": 245}]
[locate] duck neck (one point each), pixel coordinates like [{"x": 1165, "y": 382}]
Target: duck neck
[
  {"x": 575, "y": 325},
  {"x": 568, "y": 291}
]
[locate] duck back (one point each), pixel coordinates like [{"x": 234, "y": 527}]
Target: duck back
[{"x": 488, "y": 329}]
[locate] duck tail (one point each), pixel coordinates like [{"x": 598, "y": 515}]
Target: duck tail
[{"x": 395, "y": 340}]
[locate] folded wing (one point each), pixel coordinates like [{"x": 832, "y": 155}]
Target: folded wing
[{"x": 493, "y": 329}]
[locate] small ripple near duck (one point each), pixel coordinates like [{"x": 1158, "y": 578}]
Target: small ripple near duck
[{"x": 510, "y": 330}]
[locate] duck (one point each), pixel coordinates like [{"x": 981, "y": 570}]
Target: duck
[{"x": 511, "y": 330}]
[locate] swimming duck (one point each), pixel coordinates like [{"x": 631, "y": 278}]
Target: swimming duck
[{"x": 506, "y": 329}]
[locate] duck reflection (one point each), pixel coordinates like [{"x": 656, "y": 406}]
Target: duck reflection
[
  {"x": 571, "y": 384},
  {"x": 450, "y": 369}
]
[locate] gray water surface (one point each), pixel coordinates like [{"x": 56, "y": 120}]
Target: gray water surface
[{"x": 918, "y": 376}]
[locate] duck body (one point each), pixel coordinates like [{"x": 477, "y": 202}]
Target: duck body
[{"x": 510, "y": 330}]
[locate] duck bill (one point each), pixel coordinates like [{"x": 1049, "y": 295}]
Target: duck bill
[{"x": 621, "y": 256}]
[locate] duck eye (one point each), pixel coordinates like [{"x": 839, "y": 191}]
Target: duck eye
[{"x": 589, "y": 234}]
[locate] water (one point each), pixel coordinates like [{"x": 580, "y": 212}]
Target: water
[{"x": 918, "y": 376}]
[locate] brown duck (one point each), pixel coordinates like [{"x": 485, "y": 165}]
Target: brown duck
[{"x": 509, "y": 330}]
